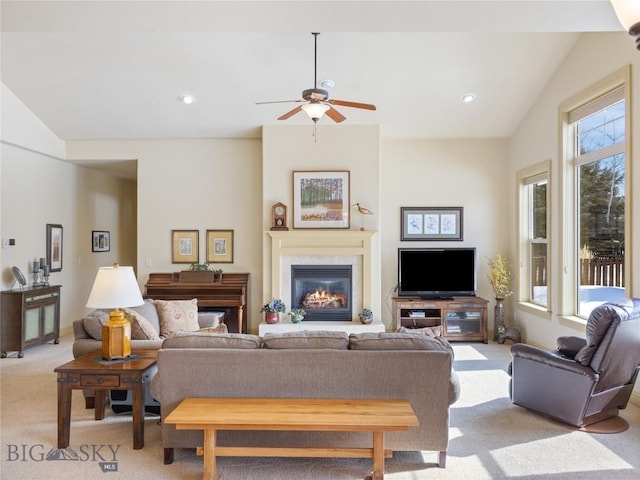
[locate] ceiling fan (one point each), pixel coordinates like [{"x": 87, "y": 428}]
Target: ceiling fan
[{"x": 316, "y": 102}]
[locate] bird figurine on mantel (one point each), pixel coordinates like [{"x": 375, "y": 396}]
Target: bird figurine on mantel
[{"x": 362, "y": 211}]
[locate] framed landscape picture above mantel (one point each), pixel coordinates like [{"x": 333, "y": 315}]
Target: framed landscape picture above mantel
[
  {"x": 431, "y": 223},
  {"x": 321, "y": 199},
  {"x": 184, "y": 246}
]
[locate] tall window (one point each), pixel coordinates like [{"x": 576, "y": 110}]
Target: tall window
[
  {"x": 534, "y": 252},
  {"x": 599, "y": 161}
]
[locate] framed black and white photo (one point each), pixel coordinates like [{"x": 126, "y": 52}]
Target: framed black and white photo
[
  {"x": 100, "y": 241},
  {"x": 431, "y": 223}
]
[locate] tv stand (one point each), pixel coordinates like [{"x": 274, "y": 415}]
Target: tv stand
[{"x": 461, "y": 318}]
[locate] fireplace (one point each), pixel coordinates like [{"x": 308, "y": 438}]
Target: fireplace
[{"x": 323, "y": 291}]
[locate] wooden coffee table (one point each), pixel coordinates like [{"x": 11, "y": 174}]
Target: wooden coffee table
[
  {"x": 304, "y": 414},
  {"x": 90, "y": 371}
]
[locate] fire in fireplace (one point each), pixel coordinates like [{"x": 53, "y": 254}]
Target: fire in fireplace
[{"x": 324, "y": 291}]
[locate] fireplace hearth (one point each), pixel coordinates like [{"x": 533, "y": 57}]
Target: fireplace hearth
[{"x": 323, "y": 291}]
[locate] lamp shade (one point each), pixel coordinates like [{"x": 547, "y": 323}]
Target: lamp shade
[
  {"x": 628, "y": 12},
  {"x": 115, "y": 287}
]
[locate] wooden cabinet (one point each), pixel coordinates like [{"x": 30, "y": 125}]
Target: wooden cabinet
[
  {"x": 30, "y": 317},
  {"x": 461, "y": 318}
]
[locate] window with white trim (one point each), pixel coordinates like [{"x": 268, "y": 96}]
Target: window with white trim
[
  {"x": 597, "y": 134},
  {"x": 533, "y": 184}
]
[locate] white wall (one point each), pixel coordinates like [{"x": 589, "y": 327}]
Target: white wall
[
  {"x": 469, "y": 173},
  {"x": 37, "y": 188}
]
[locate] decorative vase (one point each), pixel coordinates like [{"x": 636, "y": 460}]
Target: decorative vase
[
  {"x": 296, "y": 318},
  {"x": 498, "y": 318},
  {"x": 366, "y": 320},
  {"x": 271, "y": 317}
]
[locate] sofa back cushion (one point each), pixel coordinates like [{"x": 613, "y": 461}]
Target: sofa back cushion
[
  {"x": 149, "y": 312},
  {"x": 141, "y": 328},
  {"x": 307, "y": 340},
  {"x": 212, "y": 340},
  {"x": 397, "y": 341}
]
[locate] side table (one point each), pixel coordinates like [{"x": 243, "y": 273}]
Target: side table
[{"x": 91, "y": 371}]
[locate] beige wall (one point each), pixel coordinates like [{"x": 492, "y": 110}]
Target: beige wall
[
  {"x": 594, "y": 57},
  {"x": 193, "y": 185},
  {"x": 37, "y": 188}
]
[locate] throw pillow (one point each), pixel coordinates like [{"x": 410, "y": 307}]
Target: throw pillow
[
  {"x": 177, "y": 316},
  {"x": 429, "y": 331},
  {"x": 307, "y": 340},
  {"x": 222, "y": 328},
  {"x": 149, "y": 312},
  {"x": 141, "y": 329},
  {"x": 93, "y": 323}
]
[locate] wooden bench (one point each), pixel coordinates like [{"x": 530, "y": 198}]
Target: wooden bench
[{"x": 304, "y": 414}]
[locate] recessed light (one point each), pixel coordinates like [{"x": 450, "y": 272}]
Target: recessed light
[
  {"x": 188, "y": 99},
  {"x": 468, "y": 97}
]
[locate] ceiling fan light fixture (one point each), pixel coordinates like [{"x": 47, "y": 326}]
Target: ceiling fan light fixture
[
  {"x": 628, "y": 13},
  {"x": 315, "y": 111}
]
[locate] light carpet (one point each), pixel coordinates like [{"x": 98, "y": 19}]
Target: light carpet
[{"x": 489, "y": 438}]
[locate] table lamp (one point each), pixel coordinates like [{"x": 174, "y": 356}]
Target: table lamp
[{"x": 115, "y": 287}]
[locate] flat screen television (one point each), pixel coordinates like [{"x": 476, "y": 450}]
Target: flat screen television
[{"x": 436, "y": 272}]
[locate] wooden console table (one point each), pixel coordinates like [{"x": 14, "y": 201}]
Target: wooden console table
[
  {"x": 317, "y": 415},
  {"x": 90, "y": 371},
  {"x": 231, "y": 295}
]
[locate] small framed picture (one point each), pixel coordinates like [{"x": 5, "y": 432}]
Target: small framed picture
[
  {"x": 321, "y": 199},
  {"x": 219, "y": 246},
  {"x": 100, "y": 241},
  {"x": 431, "y": 223},
  {"x": 54, "y": 247},
  {"x": 184, "y": 246}
]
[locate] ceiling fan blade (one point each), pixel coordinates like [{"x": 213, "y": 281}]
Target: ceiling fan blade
[
  {"x": 344, "y": 103},
  {"x": 280, "y": 101},
  {"x": 290, "y": 113},
  {"x": 335, "y": 115}
]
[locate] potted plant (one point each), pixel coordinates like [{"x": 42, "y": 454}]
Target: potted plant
[
  {"x": 272, "y": 310},
  {"x": 500, "y": 279},
  {"x": 366, "y": 316},
  {"x": 297, "y": 314}
]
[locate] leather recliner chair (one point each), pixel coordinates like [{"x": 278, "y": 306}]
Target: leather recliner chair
[{"x": 583, "y": 381}]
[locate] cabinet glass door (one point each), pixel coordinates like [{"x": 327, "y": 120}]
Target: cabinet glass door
[
  {"x": 463, "y": 322},
  {"x": 50, "y": 319},
  {"x": 31, "y": 324}
]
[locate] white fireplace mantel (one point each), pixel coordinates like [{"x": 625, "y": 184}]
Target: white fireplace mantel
[{"x": 322, "y": 243}]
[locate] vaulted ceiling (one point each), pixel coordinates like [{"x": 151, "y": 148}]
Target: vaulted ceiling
[{"x": 107, "y": 70}]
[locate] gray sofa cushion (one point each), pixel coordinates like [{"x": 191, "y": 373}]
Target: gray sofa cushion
[
  {"x": 149, "y": 312},
  {"x": 212, "y": 340},
  {"x": 397, "y": 341},
  {"x": 307, "y": 339}
]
